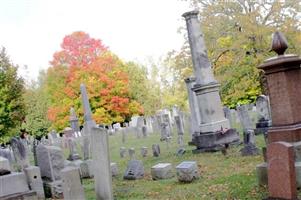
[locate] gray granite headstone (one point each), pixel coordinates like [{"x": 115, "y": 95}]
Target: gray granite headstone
[
  {"x": 156, "y": 150},
  {"x": 51, "y": 161},
  {"x": 72, "y": 187},
  {"x": 132, "y": 153},
  {"x": 143, "y": 151},
  {"x": 187, "y": 171},
  {"x": 122, "y": 152},
  {"x": 135, "y": 170},
  {"x": 161, "y": 171},
  {"x": 33, "y": 175}
]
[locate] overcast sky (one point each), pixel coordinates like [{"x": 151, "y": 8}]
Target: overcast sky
[{"x": 32, "y": 30}]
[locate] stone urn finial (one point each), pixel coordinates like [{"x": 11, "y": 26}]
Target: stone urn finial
[{"x": 279, "y": 43}]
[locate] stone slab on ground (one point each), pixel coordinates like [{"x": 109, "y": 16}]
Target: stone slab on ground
[
  {"x": 161, "y": 171},
  {"x": 187, "y": 171},
  {"x": 13, "y": 183}
]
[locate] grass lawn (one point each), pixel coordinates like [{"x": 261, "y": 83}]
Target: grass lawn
[{"x": 222, "y": 177}]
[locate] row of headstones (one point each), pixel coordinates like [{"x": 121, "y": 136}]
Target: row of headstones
[
  {"x": 186, "y": 171},
  {"x": 144, "y": 151}
]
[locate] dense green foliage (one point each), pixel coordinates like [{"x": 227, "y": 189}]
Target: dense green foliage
[
  {"x": 238, "y": 36},
  {"x": 12, "y": 107}
]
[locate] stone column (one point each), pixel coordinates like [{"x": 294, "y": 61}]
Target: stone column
[
  {"x": 193, "y": 105},
  {"x": 206, "y": 87},
  {"x": 283, "y": 76},
  {"x": 101, "y": 164}
]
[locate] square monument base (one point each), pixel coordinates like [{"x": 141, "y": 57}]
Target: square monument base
[
  {"x": 215, "y": 141},
  {"x": 289, "y": 133}
]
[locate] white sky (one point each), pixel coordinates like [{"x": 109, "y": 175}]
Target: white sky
[{"x": 32, "y": 30}]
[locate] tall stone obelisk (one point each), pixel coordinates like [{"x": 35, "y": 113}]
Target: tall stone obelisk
[
  {"x": 89, "y": 122},
  {"x": 212, "y": 120}
]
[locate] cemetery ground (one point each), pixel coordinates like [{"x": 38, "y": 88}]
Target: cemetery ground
[{"x": 221, "y": 177}]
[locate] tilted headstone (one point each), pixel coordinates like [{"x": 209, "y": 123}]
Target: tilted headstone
[
  {"x": 135, "y": 170},
  {"x": 156, "y": 150},
  {"x": 72, "y": 187},
  {"x": 281, "y": 171},
  {"x": 187, "y": 171},
  {"x": 33, "y": 175},
  {"x": 161, "y": 171},
  {"x": 20, "y": 152},
  {"x": 122, "y": 152},
  {"x": 143, "y": 151},
  {"x": 51, "y": 161}
]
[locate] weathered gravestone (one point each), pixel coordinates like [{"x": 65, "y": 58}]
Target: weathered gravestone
[
  {"x": 72, "y": 187},
  {"x": 187, "y": 171},
  {"x": 114, "y": 169},
  {"x": 161, "y": 171},
  {"x": 264, "y": 114},
  {"x": 281, "y": 171},
  {"x": 144, "y": 151},
  {"x": 4, "y": 164},
  {"x": 33, "y": 175},
  {"x": 20, "y": 153},
  {"x": 73, "y": 154},
  {"x": 249, "y": 148},
  {"x": 135, "y": 170},
  {"x": 156, "y": 150},
  {"x": 132, "y": 153},
  {"x": 50, "y": 159},
  {"x": 122, "y": 152},
  {"x": 101, "y": 163}
]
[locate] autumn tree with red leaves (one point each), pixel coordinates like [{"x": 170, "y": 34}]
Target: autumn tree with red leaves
[{"x": 86, "y": 60}]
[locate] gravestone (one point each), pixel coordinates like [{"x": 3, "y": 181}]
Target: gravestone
[
  {"x": 74, "y": 121},
  {"x": 20, "y": 153},
  {"x": 180, "y": 125},
  {"x": 228, "y": 115},
  {"x": 132, "y": 153},
  {"x": 135, "y": 170},
  {"x": 101, "y": 163},
  {"x": 161, "y": 171},
  {"x": 156, "y": 150},
  {"x": 244, "y": 117},
  {"x": 72, "y": 187},
  {"x": 144, "y": 131},
  {"x": 114, "y": 169},
  {"x": 73, "y": 154},
  {"x": 144, "y": 151},
  {"x": 33, "y": 175},
  {"x": 249, "y": 144},
  {"x": 122, "y": 152},
  {"x": 51, "y": 161},
  {"x": 187, "y": 171},
  {"x": 262, "y": 174},
  {"x": 264, "y": 114},
  {"x": 281, "y": 171}
]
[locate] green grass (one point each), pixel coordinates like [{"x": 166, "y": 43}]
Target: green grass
[{"x": 222, "y": 177}]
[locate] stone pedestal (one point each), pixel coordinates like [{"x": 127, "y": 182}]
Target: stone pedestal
[
  {"x": 206, "y": 88},
  {"x": 283, "y": 75}
]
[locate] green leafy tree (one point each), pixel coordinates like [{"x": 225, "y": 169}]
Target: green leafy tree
[
  {"x": 12, "y": 107},
  {"x": 37, "y": 103},
  {"x": 238, "y": 35}
]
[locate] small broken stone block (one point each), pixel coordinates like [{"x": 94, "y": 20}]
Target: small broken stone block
[
  {"x": 162, "y": 171},
  {"x": 4, "y": 164},
  {"x": 262, "y": 173},
  {"x": 187, "y": 171},
  {"x": 114, "y": 169}
]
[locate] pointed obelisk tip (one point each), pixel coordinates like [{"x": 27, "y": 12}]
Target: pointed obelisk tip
[{"x": 279, "y": 43}]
